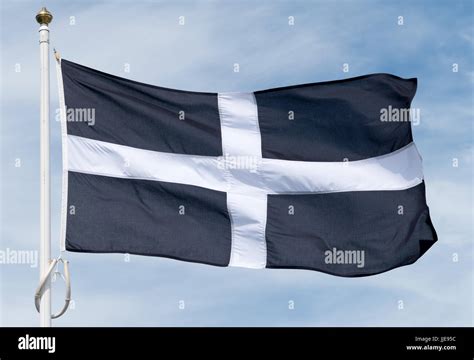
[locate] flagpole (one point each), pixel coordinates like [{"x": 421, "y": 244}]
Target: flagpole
[{"x": 44, "y": 17}]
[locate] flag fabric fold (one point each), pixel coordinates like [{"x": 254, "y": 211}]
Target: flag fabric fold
[{"x": 322, "y": 176}]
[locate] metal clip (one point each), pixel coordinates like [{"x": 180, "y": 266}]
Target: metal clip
[{"x": 57, "y": 55}]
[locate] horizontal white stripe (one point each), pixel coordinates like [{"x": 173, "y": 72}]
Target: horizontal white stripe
[
  {"x": 399, "y": 170},
  {"x": 103, "y": 158}
]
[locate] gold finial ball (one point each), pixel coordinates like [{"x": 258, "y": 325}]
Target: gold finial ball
[{"x": 44, "y": 16}]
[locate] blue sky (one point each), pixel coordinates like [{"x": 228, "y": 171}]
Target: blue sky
[{"x": 107, "y": 291}]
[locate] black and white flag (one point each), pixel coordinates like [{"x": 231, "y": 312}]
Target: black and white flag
[{"x": 321, "y": 176}]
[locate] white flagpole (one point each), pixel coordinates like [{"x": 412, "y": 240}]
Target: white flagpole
[{"x": 44, "y": 17}]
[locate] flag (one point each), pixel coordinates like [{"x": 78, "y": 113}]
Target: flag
[{"x": 322, "y": 176}]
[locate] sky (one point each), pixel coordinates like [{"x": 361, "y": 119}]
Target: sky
[{"x": 430, "y": 40}]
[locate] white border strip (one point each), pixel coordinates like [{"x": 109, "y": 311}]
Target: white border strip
[{"x": 64, "y": 187}]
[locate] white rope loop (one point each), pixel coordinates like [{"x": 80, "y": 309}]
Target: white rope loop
[{"x": 41, "y": 287}]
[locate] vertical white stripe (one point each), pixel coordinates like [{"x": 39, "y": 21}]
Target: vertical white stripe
[
  {"x": 239, "y": 124},
  {"x": 248, "y": 214},
  {"x": 241, "y": 143}
]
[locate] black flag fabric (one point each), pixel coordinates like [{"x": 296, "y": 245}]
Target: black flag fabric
[{"x": 322, "y": 176}]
